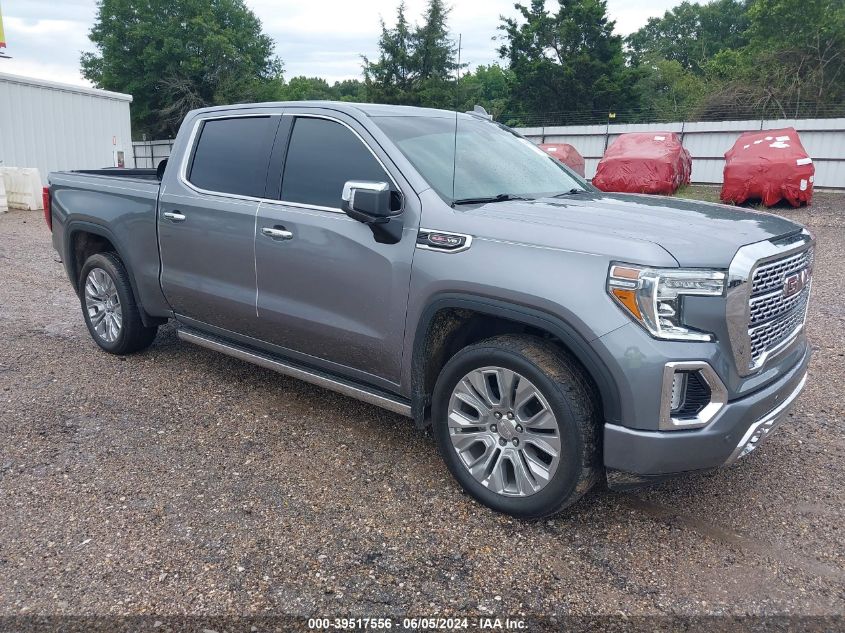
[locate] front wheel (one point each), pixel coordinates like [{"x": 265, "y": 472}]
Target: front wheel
[
  {"x": 108, "y": 305},
  {"x": 516, "y": 421}
]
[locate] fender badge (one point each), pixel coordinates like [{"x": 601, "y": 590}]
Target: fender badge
[{"x": 442, "y": 241}]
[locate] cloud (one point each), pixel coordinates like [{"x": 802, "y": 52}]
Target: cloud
[
  {"x": 630, "y": 15},
  {"x": 47, "y": 48},
  {"x": 306, "y": 40},
  {"x": 318, "y": 38}
]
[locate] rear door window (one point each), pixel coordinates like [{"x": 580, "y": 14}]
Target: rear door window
[
  {"x": 232, "y": 155},
  {"x": 322, "y": 156}
]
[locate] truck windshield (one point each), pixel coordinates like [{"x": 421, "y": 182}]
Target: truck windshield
[{"x": 492, "y": 162}]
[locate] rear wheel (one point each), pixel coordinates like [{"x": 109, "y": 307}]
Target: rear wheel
[
  {"x": 516, "y": 422},
  {"x": 108, "y": 305}
]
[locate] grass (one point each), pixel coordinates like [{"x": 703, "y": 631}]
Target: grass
[
  {"x": 707, "y": 193},
  {"x": 710, "y": 193}
]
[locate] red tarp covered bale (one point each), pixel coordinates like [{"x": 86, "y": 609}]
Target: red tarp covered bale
[
  {"x": 769, "y": 165},
  {"x": 640, "y": 162},
  {"x": 566, "y": 154}
]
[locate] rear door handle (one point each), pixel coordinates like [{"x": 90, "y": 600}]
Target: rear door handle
[
  {"x": 277, "y": 233},
  {"x": 174, "y": 216}
]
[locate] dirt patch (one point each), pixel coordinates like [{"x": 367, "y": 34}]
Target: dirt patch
[{"x": 179, "y": 481}]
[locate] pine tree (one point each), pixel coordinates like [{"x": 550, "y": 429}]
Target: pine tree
[
  {"x": 415, "y": 66},
  {"x": 389, "y": 80},
  {"x": 566, "y": 61}
]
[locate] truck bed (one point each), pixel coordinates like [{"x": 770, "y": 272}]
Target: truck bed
[
  {"x": 119, "y": 172},
  {"x": 119, "y": 205}
]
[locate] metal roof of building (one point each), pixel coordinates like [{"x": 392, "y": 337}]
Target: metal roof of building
[{"x": 54, "y": 85}]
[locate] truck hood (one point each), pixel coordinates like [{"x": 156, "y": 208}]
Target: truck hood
[{"x": 696, "y": 234}]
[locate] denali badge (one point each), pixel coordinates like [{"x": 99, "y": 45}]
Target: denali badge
[
  {"x": 443, "y": 241},
  {"x": 795, "y": 283}
]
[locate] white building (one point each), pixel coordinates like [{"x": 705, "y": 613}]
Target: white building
[{"x": 53, "y": 126}]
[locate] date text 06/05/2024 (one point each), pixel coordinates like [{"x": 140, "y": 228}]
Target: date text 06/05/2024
[{"x": 418, "y": 624}]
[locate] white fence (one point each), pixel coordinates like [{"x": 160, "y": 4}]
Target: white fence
[
  {"x": 149, "y": 154},
  {"x": 707, "y": 141}
]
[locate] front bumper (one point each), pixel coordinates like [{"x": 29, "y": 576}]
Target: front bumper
[{"x": 739, "y": 428}]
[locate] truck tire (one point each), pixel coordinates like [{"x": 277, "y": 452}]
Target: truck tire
[
  {"x": 516, "y": 420},
  {"x": 109, "y": 307}
]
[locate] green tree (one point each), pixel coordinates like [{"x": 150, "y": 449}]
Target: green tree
[
  {"x": 792, "y": 66},
  {"x": 350, "y": 90},
  {"x": 308, "y": 89},
  {"x": 433, "y": 58},
  {"x": 415, "y": 64},
  {"x": 798, "y": 52},
  {"x": 487, "y": 86},
  {"x": 667, "y": 91},
  {"x": 690, "y": 34},
  {"x": 176, "y": 55},
  {"x": 566, "y": 61},
  {"x": 389, "y": 80}
]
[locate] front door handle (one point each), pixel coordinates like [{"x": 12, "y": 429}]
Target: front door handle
[
  {"x": 277, "y": 233},
  {"x": 174, "y": 216}
]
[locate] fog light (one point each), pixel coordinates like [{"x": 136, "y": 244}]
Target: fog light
[
  {"x": 679, "y": 387},
  {"x": 692, "y": 395}
]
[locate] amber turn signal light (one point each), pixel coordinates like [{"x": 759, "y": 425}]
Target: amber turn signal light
[{"x": 628, "y": 299}]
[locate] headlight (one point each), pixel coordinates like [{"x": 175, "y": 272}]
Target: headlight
[{"x": 653, "y": 297}]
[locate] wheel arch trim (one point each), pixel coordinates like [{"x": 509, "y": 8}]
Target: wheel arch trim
[
  {"x": 83, "y": 226},
  {"x": 539, "y": 319}
]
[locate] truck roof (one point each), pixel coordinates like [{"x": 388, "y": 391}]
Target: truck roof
[{"x": 368, "y": 109}]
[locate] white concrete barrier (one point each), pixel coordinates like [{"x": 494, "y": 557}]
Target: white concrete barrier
[
  {"x": 23, "y": 188},
  {"x": 4, "y": 204}
]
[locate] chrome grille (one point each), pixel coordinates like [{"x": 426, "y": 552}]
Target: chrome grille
[
  {"x": 772, "y": 317},
  {"x": 772, "y": 305},
  {"x": 771, "y": 275},
  {"x": 772, "y": 333}
]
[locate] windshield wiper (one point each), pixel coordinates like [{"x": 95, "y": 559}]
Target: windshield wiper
[
  {"x": 502, "y": 197},
  {"x": 571, "y": 192}
]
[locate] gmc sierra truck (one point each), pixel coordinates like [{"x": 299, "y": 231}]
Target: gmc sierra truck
[{"x": 441, "y": 266}]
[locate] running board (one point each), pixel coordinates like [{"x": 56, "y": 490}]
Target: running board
[{"x": 319, "y": 379}]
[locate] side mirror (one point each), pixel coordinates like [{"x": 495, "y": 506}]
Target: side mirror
[
  {"x": 370, "y": 203},
  {"x": 370, "y": 198}
]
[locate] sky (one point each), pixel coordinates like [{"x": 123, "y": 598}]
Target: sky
[{"x": 323, "y": 38}]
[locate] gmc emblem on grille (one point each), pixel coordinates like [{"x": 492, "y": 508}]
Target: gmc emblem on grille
[{"x": 795, "y": 283}]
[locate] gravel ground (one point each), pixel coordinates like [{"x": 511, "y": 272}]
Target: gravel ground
[{"x": 179, "y": 481}]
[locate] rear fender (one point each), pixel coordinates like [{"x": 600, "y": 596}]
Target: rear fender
[{"x": 75, "y": 227}]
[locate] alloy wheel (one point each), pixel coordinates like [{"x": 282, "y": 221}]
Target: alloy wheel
[
  {"x": 103, "y": 305},
  {"x": 504, "y": 431}
]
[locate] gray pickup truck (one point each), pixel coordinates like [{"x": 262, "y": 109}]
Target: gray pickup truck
[{"x": 441, "y": 266}]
